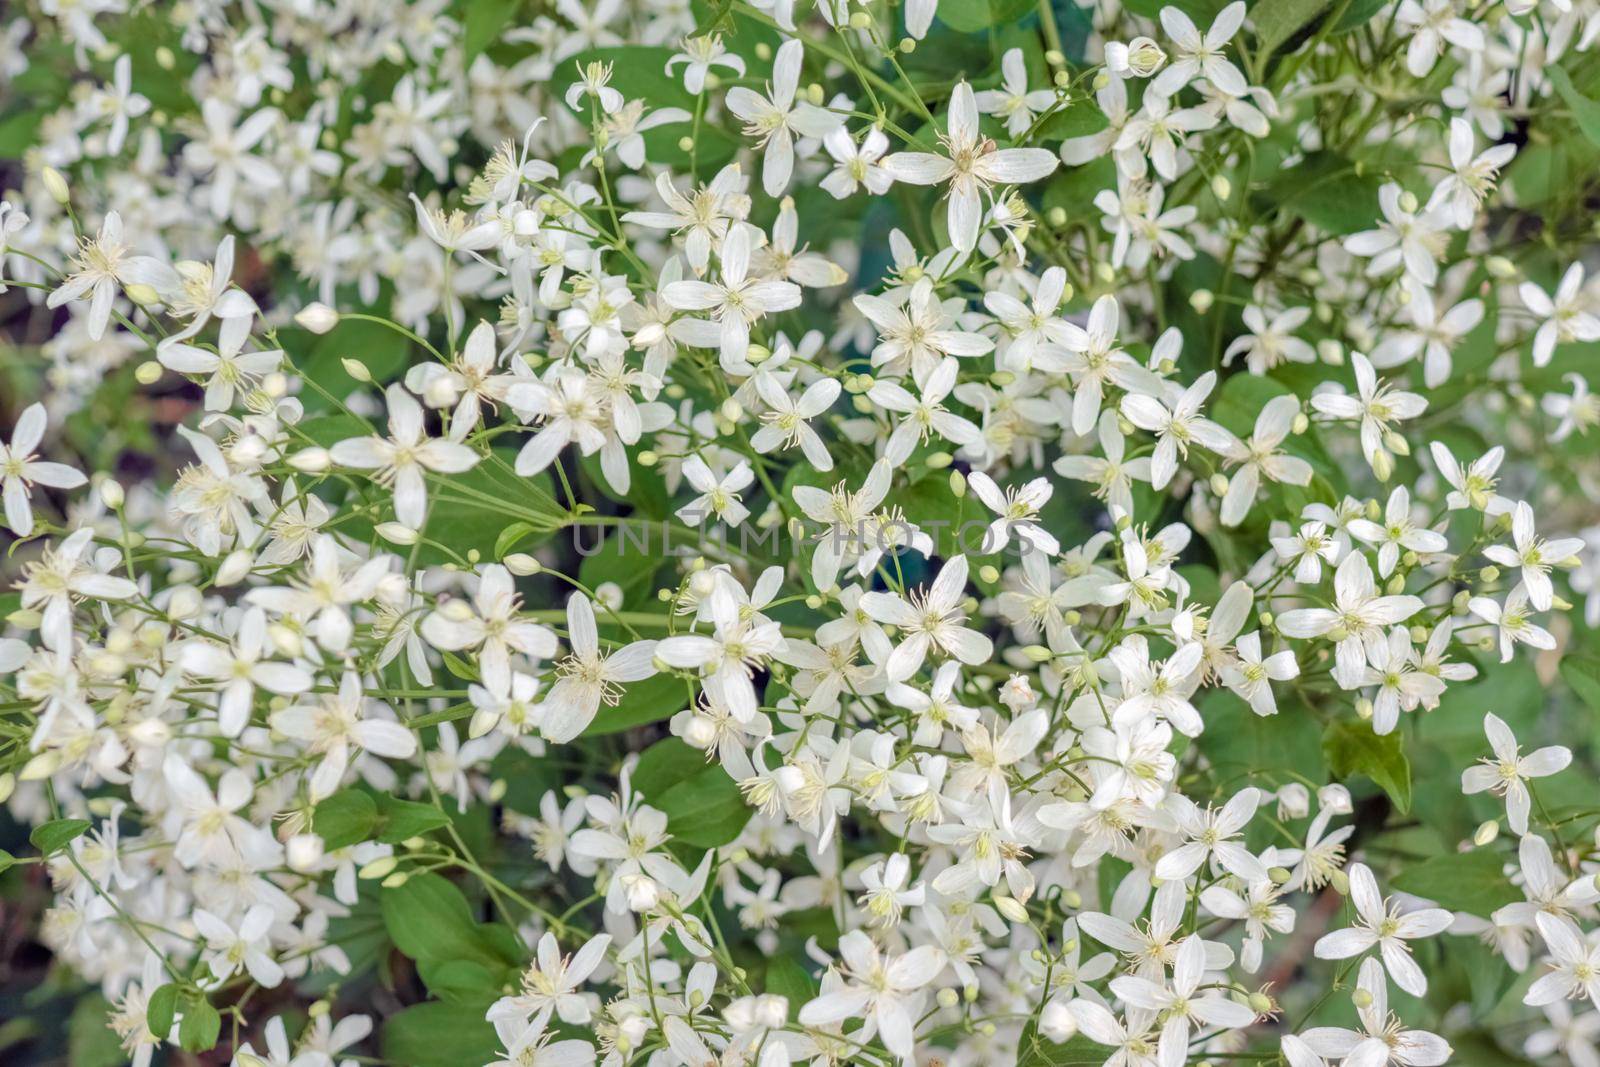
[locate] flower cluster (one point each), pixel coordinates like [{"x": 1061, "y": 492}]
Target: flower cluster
[{"x": 757, "y": 533}]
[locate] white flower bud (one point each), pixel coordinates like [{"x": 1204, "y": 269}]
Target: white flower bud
[
  {"x": 235, "y": 567},
  {"x": 304, "y": 852},
  {"x": 317, "y": 317},
  {"x": 396, "y": 533},
  {"x": 311, "y": 461}
]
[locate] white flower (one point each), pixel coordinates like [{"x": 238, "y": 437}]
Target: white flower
[
  {"x": 1506, "y": 774},
  {"x": 970, "y": 164},
  {"x": 1566, "y": 314},
  {"x": 337, "y": 724},
  {"x": 493, "y": 628},
  {"x": 551, "y": 984},
  {"x": 737, "y": 301},
  {"x": 1197, "y": 56},
  {"x": 1182, "y": 1004},
  {"x": 929, "y": 621},
  {"x": 1472, "y": 486},
  {"x": 1271, "y": 343},
  {"x": 1513, "y": 621},
  {"x": 101, "y": 265},
  {"x": 1534, "y": 555},
  {"x": 1575, "y": 958},
  {"x": 1382, "y": 1040},
  {"x": 774, "y": 119},
  {"x": 1377, "y": 405},
  {"x": 1397, "y": 533},
  {"x": 1472, "y": 177},
  {"x": 786, "y": 423},
  {"x": 20, "y": 469},
  {"x": 245, "y": 946},
  {"x": 242, "y": 666},
  {"x": 1177, "y": 427},
  {"x": 1359, "y": 616},
  {"x": 1018, "y": 511},
  {"x": 888, "y": 989},
  {"x": 1381, "y": 925},
  {"x": 1211, "y": 834},
  {"x": 404, "y": 455},
  {"x": 1012, "y": 101},
  {"x": 1260, "y": 455},
  {"x": 588, "y": 678}
]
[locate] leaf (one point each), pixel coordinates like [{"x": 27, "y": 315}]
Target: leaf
[
  {"x": 1582, "y": 673},
  {"x": 200, "y": 1026},
  {"x": 1277, "y": 747},
  {"x": 457, "y": 980},
  {"x": 703, "y": 805},
  {"x": 7, "y": 860},
  {"x": 1278, "y": 20},
  {"x": 430, "y": 920},
  {"x": 1585, "y": 112},
  {"x": 1326, "y": 191},
  {"x": 162, "y": 1009},
  {"x": 344, "y": 819},
  {"x": 51, "y": 837},
  {"x": 19, "y": 131},
  {"x": 653, "y": 700},
  {"x": 383, "y": 351},
  {"x": 405, "y": 819},
  {"x": 1080, "y": 118},
  {"x": 90, "y": 1042},
  {"x": 972, "y": 16},
  {"x": 788, "y": 977},
  {"x": 486, "y": 19},
  {"x": 1472, "y": 882},
  {"x": 442, "y": 1034},
  {"x": 1076, "y": 1051},
  {"x": 1352, "y": 748}
]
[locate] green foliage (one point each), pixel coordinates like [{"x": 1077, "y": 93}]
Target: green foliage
[
  {"x": 703, "y": 805},
  {"x": 51, "y": 837},
  {"x": 1353, "y": 748},
  {"x": 1472, "y": 882}
]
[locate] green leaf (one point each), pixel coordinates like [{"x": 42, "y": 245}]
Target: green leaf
[
  {"x": 703, "y": 805},
  {"x": 344, "y": 819},
  {"x": 1277, "y": 748},
  {"x": 162, "y": 1009},
  {"x": 972, "y": 16},
  {"x": 1080, "y": 118},
  {"x": 19, "y": 131},
  {"x": 7, "y": 860},
  {"x": 51, "y": 837},
  {"x": 442, "y": 1034},
  {"x": 1472, "y": 882},
  {"x": 457, "y": 980},
  {"x": 1582, "y": 673},
  {"x": 486, "y": 20},
  {"x": 1278, "y": 20},
  {"x": 1585, "y": 112},
  {"x": 405, "y": 819},
  {"x": 90, "y": 1042},
  {"x": 1326, "y": 191},
  {"x": 1076, "y": 1051},
  {"x": 788, "y": 977},
  {"x": 200, "y": 1026},
  {"x": 1352, "y": 748},
  {"x": 384, "y": 352},
  {"x": 655, "y": 699},
  {"x": 429, "y": 920}
]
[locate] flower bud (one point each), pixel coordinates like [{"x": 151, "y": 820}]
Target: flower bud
[
  {"x": 1335, "y": 798},
  {"x": 357, "y": 369},
  {"x": 1201, "y": 300},
  {"x": 1011, "y": 908},
  {"x": 317, "y": 317},
  {"x": 55, "y": 185},
  {"x": 958, "y": 484},
  {"x": 1056, "y": 1022},
  {"x": 1486, "y": 832},
  {"x": 147, "y": 373},
  {"x": 111, "y": 494},
  {"x": 8, "y": 785},
  {"x": 311, "y": 460},
  {"x": 522, "y": 564},
  {"x": 948, "y": 998},
  {"x": 988, "y": 574},
  {"x": 396, "y": 533},
  {"x": 304, "y": 852},
  {"x": 235, "y": 566},
  {"x": 378, "y": 868}
]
